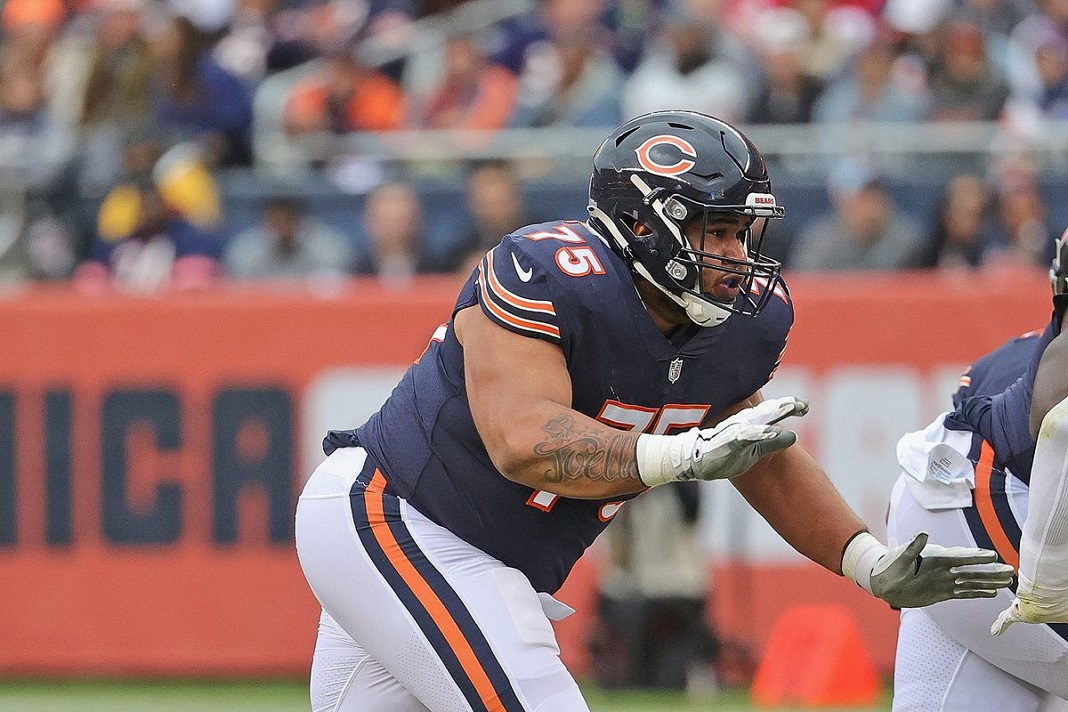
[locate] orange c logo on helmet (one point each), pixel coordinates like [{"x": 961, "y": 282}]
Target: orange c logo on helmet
[{"x": 666, "y": 169}]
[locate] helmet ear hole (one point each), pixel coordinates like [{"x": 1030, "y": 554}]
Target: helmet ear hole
[{"x": 636, "y": 225}]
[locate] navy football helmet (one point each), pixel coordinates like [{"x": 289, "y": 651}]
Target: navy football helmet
[{"x": 664, "y": 169}]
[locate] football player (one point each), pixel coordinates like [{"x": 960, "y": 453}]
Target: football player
[
  {"x": 994, "y": 473},
  {"x": 584, "y": 363}
]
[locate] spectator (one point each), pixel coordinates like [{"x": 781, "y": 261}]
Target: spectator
[
  {"x": 996, "y": 21},
  {"x": 1038, "y": 72},
  {"x": 195, "y": 98},
  {"x": 30, "y": 137},
  {"x": 560, "y": 55},
  {"x": 684, "y": 69},
  {"x": 470, "y": 93},
  {"x": 579, "y": 82},
  {"x": 19, "y": 15},
  {"x": 386, "y": 33},
  {"x": 964, "y": 85},
  {"x": 393, "y": 222},
  {"x": 29, "y": 28},
  {"x": 116, "y": 91},
  {"x": 1034, "y": 45},
  {"x": 35, "y": 152},
  {"x": 36, "y": 246},
  {"x": 870, "y": 92},
  {"x": 914, "y": 29},
  {"x": 289, "y": 244},
  {"x": 631, "y": 25},
  {"x": 495, "y": 202},
  {"x": 864, "y": 231},
  {"x": 788, "y": 92},
  {"x": 143, "y": 246},
  {"x": 98, "y": 84},
  {"x": 265, "y": 37},
  {"x": 249, "y": 39},
  {"x": 964, "y": 230},
  {"x": 346, "y": 95},
  {"x": 837, "y": 31},
  {"x": 1023, "y": 215},
  {"x": 517, "y": 44},
  {"x": 22, "y": 109}
]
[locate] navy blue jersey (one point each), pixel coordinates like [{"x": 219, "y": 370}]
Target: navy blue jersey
[
  {"x": 998, "y": 369},
  {"x": 558, "y": 282},
  {"x": 994, "y": 403}
]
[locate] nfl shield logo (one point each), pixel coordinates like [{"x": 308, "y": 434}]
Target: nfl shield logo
[{"x": 675, "y": 370}]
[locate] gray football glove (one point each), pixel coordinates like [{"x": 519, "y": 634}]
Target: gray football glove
[
  {"x": 725, "y": 450},
  {"x": 1058, "y": 271},
  {"x": 919, "y": 574}
]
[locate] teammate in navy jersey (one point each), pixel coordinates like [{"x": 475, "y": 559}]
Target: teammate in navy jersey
[
  {"x": 981, "y": 475},
  {"x": 583, "y": 364}
]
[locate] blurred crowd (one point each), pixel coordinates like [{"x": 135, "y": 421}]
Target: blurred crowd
[{"x": 119, "y": 120}]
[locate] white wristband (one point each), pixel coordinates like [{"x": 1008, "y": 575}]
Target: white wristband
[
  {"x": 655, "y": 459},
  {"x": 859, "y": 558}
]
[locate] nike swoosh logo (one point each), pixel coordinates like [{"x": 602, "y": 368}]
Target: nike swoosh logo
[{"x": 524, "y": 274}]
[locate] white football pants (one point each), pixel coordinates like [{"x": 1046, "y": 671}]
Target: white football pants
[
  {"x": 947, "y": 661},
  {"x": 413, "y": 617}
]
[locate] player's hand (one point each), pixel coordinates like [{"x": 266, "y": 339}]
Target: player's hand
[
  {"x": 768, "y": 412},
  {"x": 728, "y": 451},
  {"x": 919, "y": 574},
  {"x": 725, "y": 450},
  {"x": 1030, "y": 606}
]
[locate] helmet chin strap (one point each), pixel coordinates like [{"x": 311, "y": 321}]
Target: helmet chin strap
[
  {"x": 704, "y": 313},
  {"x": 700, "y": 311}
]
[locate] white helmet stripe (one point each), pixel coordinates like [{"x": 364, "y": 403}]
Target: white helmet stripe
[{"x": 658, "y": 206}]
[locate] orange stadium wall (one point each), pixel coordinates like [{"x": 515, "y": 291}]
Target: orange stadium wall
[{"x": 152, "y": 449}]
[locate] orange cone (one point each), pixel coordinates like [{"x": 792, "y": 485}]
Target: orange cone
[{"x": 816, "y": 658}]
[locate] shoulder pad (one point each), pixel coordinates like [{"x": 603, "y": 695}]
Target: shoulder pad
[{"x": 513, "y": 291}]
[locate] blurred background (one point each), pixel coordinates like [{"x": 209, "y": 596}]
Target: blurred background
[{"x": 228, "y": 225}]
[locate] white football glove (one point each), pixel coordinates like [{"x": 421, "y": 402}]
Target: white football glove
[
  {"x": 725, "y": 450},
  {"x": 1030, "y": 606},
  {"x": 919, "y": 574}
]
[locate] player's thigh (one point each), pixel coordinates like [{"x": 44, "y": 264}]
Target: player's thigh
[
  {"x": 345, "y": 678},
  {"x": 1036, "y": 654},
  {"x": 354, "y": 593},
  {"x": 454, "y": 626},
  {"x": 506, "y": 611},
  {"x": 935, "y": 673}
]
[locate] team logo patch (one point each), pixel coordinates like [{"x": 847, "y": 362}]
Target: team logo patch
[
  {"x": 675, "y": 370},
  {"x": 656, "y": 164}
]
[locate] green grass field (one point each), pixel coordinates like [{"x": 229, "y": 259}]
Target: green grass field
[{"x": 291, "y": 696}]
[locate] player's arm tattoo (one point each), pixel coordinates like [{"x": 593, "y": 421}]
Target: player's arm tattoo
[{"x": 576, "y": 451}]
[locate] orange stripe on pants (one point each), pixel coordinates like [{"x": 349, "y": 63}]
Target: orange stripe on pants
[
  {"x": 984, "y": 503},
  {"x": 426, "y": 595}
]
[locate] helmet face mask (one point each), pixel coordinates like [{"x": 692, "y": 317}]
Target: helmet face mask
[{"x": 666, "y": 169}]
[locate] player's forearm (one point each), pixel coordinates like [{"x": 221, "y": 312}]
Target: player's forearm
[
  {"x": 1044, "y": 544},
  {"x": 1051, "y": 380},
  {"x": 562, "y": 451},
  {"x": 795, "y": 496}
]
